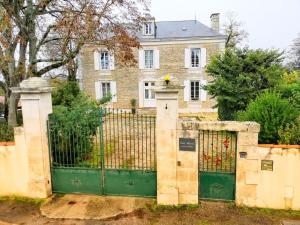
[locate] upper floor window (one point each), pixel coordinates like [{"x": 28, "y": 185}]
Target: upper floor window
[
  {"x": 148, "y": 59},
  {"x": 195, "y": 57},
  {"x": 147, "y": 28},
  {"x": 104, "y": 60}
]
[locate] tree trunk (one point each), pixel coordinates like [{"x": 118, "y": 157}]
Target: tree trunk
[
  {"x": 6, "y": 106},
  {"x": 12, "y": 112}
]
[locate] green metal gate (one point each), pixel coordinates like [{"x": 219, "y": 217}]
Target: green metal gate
[
  {"x": 114, "y": 156},
  {"x": 217, "y": 164}
]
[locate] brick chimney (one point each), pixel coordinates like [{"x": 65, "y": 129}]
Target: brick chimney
[{"x": 215, "y": 21}]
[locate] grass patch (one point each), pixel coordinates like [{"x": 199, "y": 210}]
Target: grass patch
[
  {"x": 204, "y": 222},
  {"x": 20, "y": 199},
  {"x": 164, "y": 208}
]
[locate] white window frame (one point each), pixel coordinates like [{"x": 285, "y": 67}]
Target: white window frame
[
  {"x": 148, "y": 28},
  {"x": 148, "y": 62},
  {"x": 150, "y": 89},
  {"x": 195, "y": 52},
  {"x": 106, "y": 60}
]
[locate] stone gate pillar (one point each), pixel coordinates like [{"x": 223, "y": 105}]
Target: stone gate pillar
[
  {"x": 166, "y": 126},
  {"x": 36, "y": 105}
]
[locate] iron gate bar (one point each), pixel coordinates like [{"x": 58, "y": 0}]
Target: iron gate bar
[
  {"x": 217, "y": 164},
  {"x": 103, "y": 152}
]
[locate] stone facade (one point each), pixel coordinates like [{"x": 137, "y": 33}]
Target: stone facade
[{"x": 171, "y": 61}]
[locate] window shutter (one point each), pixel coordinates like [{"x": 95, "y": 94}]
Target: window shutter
[
  {"x": 187, "y": 58},
  {"x": 186, "y": 90},
  {"x": 111, "y": 61},
  {"x": 156, "y": 59},
  {"x": 203, "y": 93},
  {"x": 113, "y": 86},
  {"x": 203, "y": 57},
  {"x": 141, "y": 94},
  {"x": 96, "y": 60},
  {"x": 98, "y": 90},
  {"x": 141, "y": 59}
]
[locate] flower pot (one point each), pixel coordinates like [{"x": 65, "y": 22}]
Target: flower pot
[
  {"x": 133, "y": 110},
  {"x": 167, "y": 82}
]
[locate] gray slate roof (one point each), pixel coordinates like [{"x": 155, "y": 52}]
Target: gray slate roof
[{"x": 185, "y": 29}]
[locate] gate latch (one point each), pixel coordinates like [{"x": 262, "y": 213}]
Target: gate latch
[{"x": 178, "y": 163}]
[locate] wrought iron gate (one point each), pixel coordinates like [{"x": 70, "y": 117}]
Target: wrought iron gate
[
  {"x": 114, "y": 156},
  {"x": 217, "y": 164}
]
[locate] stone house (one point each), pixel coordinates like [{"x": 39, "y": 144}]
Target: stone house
[{"x": 178, "y": 48}]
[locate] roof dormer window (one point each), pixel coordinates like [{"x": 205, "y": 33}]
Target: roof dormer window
[{"x": 148, "y": 28}]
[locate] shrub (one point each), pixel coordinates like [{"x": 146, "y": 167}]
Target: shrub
[
  {"x": 65, "y": 93},
  {"x": 291, "y": 92},
  {"x": 272, "y": 113},
  {"x": 290, "y": 134},
  {"x": 72, "y": 130},
  {"x": 6, "y": 132}
]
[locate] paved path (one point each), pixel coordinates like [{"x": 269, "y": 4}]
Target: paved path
[
  {"x": 91, "y": 207},
  {"x": 4, "y": 223},
  {"x": 290, "y": 222}
]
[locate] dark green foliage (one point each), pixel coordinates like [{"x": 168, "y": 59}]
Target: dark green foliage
[
  {"x": 6, "y": 132},
  {"x": 65, "y": 93},
  {"x": 272, "y": 113},
  {"x": 2, "y": 108},
  {"x": 73, "y": 124},
  {"x": 291, "y": 92},
  {"x": 72, "y": 129},
  {"x": 240, "y": 75}
]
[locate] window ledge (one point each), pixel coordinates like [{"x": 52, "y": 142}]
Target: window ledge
[
  {"x": 105, "y": 72},
  {"x": 195, "y": 70},
  {"x": 148, "y": 70}
]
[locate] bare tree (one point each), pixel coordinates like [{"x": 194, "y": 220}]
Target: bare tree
[
  {"x": 29, "y": 26},
  {"x": 294, "y": 54},
  {"x": 234, "y": 31}
]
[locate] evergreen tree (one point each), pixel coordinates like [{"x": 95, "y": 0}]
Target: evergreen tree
[{"x": 239, "y": 75}]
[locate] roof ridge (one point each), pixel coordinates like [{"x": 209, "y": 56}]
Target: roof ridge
[{"x": 176, "y": 21}]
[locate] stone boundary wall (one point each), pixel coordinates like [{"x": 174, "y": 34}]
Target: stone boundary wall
[
  {"x": 258, "y": 185},
  {"x": 14, "y": 166},
  {"x": 279, "y": 188}
]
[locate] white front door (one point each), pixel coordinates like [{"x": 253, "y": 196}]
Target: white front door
[{"x": 149, "y": 94}]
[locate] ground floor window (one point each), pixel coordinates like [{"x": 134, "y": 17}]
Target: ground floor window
[
  {"x": 105, "y": 88},
  {"x": 195, "y": 90},
  {"x": 149, "y": 92}
]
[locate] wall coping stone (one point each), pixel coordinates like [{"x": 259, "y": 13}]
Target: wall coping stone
[
  {"x": 278, "y": 146},
  {"x": 9, "y": 143},
  {"x": 247, "y": 126}
]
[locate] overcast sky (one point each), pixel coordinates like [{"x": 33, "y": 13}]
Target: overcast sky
[{"x": 270, "y": 23}]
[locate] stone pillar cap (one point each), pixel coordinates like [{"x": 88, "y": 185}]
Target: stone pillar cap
[{"x": 33, "y": 85}]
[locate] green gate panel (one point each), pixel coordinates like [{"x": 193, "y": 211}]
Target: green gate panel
[
  {"x": 71, "y": 180},
  {"x": 130, "y": 182},
  {"x": 216, "y": 185}
]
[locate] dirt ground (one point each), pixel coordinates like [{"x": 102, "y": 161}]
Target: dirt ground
[{"x": 208, "y": 213}]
